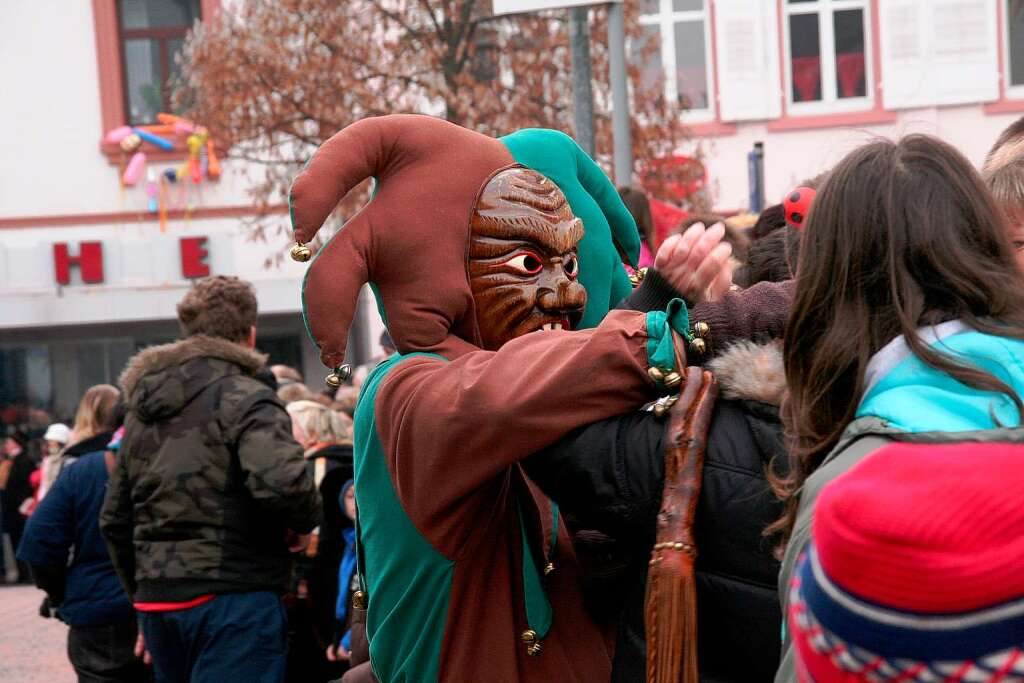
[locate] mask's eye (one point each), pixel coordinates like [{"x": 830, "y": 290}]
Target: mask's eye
[
  {"x": 525, "y": 263},
  {"x": 571, "y": 266},
  {"x": 1018, "y": 245}
]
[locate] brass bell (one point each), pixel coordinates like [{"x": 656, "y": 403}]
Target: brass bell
[
  {"x": 339, "y": 376},
  {"x": 529, "y": 636},
  {"x": 301, "y": 253},
  {"x": 638, "y": 277},
  {"x": 673, "y": 379},
  {"x": 534, "y": 649},
  {"x": 548, "y": 568},
  {"x": 359, "y": 600},
  {"x": 655, "y": 374},
  {"x": 698, "y": 346},
  {"x": 701, "y": 329}
]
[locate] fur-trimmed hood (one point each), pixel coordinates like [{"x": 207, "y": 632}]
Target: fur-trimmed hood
[
  {"x": 751, "y": 371},
  {"x": 157, "y": 358}
]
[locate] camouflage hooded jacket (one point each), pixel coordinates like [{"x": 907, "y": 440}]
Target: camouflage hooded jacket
[{"x": 208, "y": 478}]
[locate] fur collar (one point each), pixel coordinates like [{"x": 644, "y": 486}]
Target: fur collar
[
  {"x": 199, "y": 346},
  {"x": 751, "y": 371}
]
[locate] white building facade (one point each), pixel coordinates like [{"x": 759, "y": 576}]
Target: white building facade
[
  {"x": 812, "y": 79},
  {"x": 91, "y": 270}
]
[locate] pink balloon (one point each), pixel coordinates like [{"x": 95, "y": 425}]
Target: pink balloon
[
  {"x": 115, "y": 136},
  {"x": 183, "y": 128},
  {"x": 133, "y": 171}
]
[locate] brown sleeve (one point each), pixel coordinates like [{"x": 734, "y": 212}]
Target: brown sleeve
[
  {"x": 758, "y": 312},
  {"x": 450, "y": 430}
]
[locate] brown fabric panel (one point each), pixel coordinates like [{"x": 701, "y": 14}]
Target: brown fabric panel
[
  {"x": 331, "y": 289},
  {"x": 411, "y": 239},
  {"x": 450, "y": 430},
  {"x": 487, "y": 615}
]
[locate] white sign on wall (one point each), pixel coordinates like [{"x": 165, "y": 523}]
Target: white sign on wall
[{"x": 517, "y": 6}]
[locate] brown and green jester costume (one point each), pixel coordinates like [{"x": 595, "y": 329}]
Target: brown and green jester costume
[{"x": 481, "y": 265}]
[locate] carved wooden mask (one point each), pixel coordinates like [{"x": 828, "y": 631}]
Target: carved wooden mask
[{"x": 522, "y": 258}]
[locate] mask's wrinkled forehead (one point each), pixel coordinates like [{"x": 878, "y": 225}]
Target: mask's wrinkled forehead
[{"x": 520, "y": 204}]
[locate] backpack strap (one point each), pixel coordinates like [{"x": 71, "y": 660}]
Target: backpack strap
[{"x": 670, "y": 610}]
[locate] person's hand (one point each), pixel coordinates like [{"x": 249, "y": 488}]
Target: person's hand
[
  {"x": 338, "y": 653},
  {"x": 141, "y": 651},
  {"x": 696, "y": 263},
  {"x": 296, "y": 542},
  {"x": 302, "y": 592}
]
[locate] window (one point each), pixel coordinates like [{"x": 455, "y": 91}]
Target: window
[
  {"x": 682, "y": 61},
  {"x": 939, "y": 52},
  {"x": 151, "y": 34},
  {"x": 827, "y": 60},
  {"x": 1015, "y": 43}
]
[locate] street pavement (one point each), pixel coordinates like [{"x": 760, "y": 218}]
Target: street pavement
[{"x": 32, "y": 649}]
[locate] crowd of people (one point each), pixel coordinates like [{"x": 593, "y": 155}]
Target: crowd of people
[{"x": 789, "y": 452}]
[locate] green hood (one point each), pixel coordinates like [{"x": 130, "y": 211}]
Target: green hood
[
  {"x": 610, "y": 232},
  {"x": 910, "y": 396}
]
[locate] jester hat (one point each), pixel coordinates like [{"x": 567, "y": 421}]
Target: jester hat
[{"x": 411, "y": 240}]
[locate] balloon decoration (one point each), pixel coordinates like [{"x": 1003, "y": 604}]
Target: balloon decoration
[
  {"x": 171, "y": 133},
  {"x": 133, "y": 171}
]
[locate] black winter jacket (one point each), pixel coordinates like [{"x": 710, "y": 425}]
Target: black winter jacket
[
  {"x": 609, "y": 477},
  {"x": 209, "y": 478}
]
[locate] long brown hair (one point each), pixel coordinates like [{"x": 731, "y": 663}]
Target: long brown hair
[
  {"x": 96, "y": 412},
  {"x": 901, "y": 235}
]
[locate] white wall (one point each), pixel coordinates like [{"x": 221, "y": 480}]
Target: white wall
[
  {"x": 51, "y": 119},
  {"x": 794, "y": 156},
  {"x": 142, "y": 272}
]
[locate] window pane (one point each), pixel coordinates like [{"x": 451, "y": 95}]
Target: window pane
[
  {"x": 691, "y": 73},
  {"x": 650, "y": 6},
  {"x": 26, "y": 381},
  {"x": 1015, "y": 25},
  {"x": 158, "y": 13},
  {"x": 687, "y": 5},
  {"x": 850, "y": 72},
  {"x": 174, "y": 46},
  {"x": 646, "y": 54},
  {"x": 805, "y": 51},
  {"x": 142, "y": 78},
  {"x": 92, "y": 366}
]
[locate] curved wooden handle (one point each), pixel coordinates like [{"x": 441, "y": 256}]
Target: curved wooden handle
[{"x": 670, "y": 614}]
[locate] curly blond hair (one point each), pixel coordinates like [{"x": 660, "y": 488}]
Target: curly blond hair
[{"x": 319, "y": 422}]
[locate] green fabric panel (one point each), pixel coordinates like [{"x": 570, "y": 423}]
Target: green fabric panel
[
  {"x": 406, "y": 626},
  {"x": 595, "y": 201},
  {"x": 538, "y": 609},
  {"x": 661, "y": 351}
]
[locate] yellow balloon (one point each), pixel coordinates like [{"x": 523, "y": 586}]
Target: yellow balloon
[{"x": 130, "y": 143}]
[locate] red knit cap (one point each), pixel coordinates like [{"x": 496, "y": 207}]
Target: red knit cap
[{"x": 927, "y": 528}]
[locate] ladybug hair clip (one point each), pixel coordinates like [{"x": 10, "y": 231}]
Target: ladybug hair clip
[{"x": 797, "y": 205}]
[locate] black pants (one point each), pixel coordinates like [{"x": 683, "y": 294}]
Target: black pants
[
  {"x": 234, "y": 637},
  {"x": 105, "y": 654}
]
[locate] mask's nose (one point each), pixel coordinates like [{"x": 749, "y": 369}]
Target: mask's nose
[{"x": 566, "y": 296}]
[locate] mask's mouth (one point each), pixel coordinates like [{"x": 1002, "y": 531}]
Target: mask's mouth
[{"x": 567, "y": 322}]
